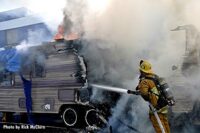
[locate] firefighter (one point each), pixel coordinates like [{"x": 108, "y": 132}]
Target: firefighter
[{"x": 150, "y": 93}]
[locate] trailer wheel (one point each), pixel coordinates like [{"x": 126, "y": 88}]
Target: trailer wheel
[
  {"x": 69, "y": 116},
  {"x": 91, "y": 117}
]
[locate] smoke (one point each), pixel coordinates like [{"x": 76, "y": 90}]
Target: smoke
[
  {"x": 34, "y": 38},
  {"x": 73, "y": 16},
  {"x": 130, "y": 115},
  {"x": 190, "y": 11},
  {"x": 51, "y": 12},
  {"x": 120, "y": 33}
]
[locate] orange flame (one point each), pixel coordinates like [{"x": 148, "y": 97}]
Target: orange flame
[{"x": 60, "y": 34}]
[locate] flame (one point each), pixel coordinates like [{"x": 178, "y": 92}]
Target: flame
[{"x": 60, "y": 34}]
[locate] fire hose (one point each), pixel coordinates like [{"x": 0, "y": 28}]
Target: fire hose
[{"x": 126, "y": 91}]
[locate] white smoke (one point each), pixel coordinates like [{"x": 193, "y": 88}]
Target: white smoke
[
  {"x": 50, "y": 11},
  {"x": 34, "y": 38},
  {"x": 123, "y": 32},
  {"x": 190, "y": 12},
  {"x": 137, "y": 28}
]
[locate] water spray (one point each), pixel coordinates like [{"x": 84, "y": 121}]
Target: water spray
[
  {"x": 115, "y": 89},
  {"x": 126, "y": 91}
]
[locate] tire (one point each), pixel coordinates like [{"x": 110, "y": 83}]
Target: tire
[
  {"x": 91, "y": 117},
  {"x": 70, "y": 117}
]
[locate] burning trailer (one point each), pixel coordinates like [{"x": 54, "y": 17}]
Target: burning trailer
[
  {"x": 52, "y": 79},
  {"x": 47, "y": 78}
]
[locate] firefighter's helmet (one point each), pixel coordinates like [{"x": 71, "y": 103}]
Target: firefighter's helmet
[{"x": 145, "y": 66}]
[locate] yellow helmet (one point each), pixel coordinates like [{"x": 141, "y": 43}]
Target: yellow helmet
[{"x": 145, "y": 66}]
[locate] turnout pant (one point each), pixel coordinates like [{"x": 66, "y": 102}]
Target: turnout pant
[{"x": 163, "y": 119}]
